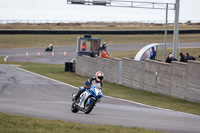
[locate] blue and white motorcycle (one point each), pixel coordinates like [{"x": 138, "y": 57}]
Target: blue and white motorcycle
[{"x": 87, "y": 99}]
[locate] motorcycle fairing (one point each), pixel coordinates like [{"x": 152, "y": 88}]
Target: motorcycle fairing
[
  {"x": 93, "y": 91},
  {"x": 84, "y": 96}
]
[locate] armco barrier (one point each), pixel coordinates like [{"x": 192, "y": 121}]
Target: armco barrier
[
  {"x": 180, "y": 80},
  {"x": 100, "y": 32}
]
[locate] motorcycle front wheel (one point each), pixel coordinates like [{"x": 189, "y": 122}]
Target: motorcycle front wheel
[
  {"x": 90, "y": 106},
  {"x": 74, "y": 108}
]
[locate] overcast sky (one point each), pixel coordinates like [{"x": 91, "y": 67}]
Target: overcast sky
[{"x": 60, "y": 10}]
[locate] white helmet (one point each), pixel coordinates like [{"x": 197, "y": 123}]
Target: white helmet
[
  {"x": 99, "y": 76},
  {"x": 170, "y": 55}
]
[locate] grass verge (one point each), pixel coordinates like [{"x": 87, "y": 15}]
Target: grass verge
[
  {"x": 23, "y": 124},
  {"x": 28, "y": 41}
]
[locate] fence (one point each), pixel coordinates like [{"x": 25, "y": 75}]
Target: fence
[
  {"x": 71, "y": 21},
  {"x": 180, "y": 80}
]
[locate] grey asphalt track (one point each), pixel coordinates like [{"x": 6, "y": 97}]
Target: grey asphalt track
[
  {"x": 59, "y": 58},
  {"x": 25, "y": 93}
]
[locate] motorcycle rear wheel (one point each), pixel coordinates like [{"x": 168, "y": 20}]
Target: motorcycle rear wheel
[{"x": 74, "y": 108}]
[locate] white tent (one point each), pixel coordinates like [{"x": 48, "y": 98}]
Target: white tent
[{"x": 144, "y": 52}]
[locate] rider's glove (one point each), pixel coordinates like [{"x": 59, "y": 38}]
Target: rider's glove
[{"x": 85, "y": 86}]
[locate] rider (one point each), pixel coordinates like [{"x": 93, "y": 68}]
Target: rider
[
  {"x": 87, "y": 84},
  {"x": 50, "y": 47}
]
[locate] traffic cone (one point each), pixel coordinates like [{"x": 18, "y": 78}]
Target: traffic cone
[
  {"x": 52, "y": 53},
  {"x": 38, "y": 54},
  {"x": 65, "y": 53},
  {"x": 26, "y": 54}
]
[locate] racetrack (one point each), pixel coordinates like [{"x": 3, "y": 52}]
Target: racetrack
[
  {"x": 59, "y": 58},
  {"x": 25, "y": 93}
]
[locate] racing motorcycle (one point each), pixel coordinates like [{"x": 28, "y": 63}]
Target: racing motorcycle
[
  {"x": 49, "y": 48},
  {"x": 87, "y": 99}
]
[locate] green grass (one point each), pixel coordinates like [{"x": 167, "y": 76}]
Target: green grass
[
  {"x": 23, "y": 124},
  {"x": 121, "y": 54},
  {"x": 28, "y": 41}
]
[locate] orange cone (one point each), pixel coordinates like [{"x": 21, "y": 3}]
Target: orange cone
[
  {"x": 65, "y": 53},
  {"x": 52, "y": 53},
  {"x": 38, "y": 54},
  {"x": 26, "y": 54}
]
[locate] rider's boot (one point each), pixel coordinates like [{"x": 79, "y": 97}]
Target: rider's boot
[{"x": 78, "y": 94}]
